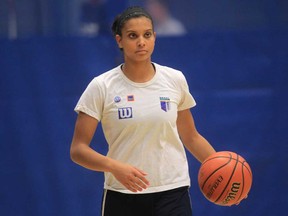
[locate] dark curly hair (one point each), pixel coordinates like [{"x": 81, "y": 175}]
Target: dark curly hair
[{"x": 130, "y": 12}]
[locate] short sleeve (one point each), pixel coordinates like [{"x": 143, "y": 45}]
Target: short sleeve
[
  {"x": 187, "y": 101},
  {"x": 91, "y": 101}
]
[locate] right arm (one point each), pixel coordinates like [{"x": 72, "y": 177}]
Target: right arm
[{"x": 81, "y": 153}]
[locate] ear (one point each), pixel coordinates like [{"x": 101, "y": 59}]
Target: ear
[{"x": 118, "y": 39}]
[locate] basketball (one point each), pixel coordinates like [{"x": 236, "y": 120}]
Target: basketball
[{"x": 225, "y": 178}]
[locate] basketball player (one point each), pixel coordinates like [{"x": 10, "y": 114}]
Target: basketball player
[{"x": 145, "y": 113}]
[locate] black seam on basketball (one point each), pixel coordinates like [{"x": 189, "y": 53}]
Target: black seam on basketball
[
  {"x": 229, "y": 179},
  {"x": 248, "y": 168},
  {"x": 243, "y": 183},
  {"x": 220, "y": 157},
  {"x": 243, "y": 162},
  {"x": 214, "y": 172},
  {"x": 214, "y": 158}
]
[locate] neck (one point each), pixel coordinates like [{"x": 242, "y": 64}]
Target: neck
[{"x": 139, "y": 72}]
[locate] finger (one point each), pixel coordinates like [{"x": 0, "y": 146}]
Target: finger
[
  {"x": 143, "y": 180},
  {"x": 141, "y": 175},
  {"x": 137, "y": 184},
  {"x": 241, "y": 200},
  {"x": 130, "y": 187},
  {"x": 141, "y": 171},
  {"x": 137, "y": 187},
  {"x": 140, "y": 183}
]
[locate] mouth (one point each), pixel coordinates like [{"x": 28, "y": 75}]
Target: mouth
[{"x": 141, "y": 51}]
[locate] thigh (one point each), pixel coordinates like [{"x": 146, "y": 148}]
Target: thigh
[
  {"x": 174, "y": 202},
  {"x": 116, "y": 204}
]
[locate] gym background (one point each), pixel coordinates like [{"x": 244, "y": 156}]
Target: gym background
[{"x": 233, "y": 53}]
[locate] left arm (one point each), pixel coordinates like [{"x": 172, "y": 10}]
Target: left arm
[{"x": 196, "y": 144}]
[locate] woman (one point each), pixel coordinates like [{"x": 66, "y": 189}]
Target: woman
[{"x": 145, "y": 113}]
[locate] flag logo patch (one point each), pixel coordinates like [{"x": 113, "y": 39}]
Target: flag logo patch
[
  {"x": 165, "y": 103},
  {"x": 130, "y": 97}
]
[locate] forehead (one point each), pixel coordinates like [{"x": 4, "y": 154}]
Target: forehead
[{"x": 138, "y": 23}]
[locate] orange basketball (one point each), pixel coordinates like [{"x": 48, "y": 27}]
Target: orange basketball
[{"x": 225, "y": 178}]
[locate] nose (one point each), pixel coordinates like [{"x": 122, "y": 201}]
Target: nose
[{"x": 141, "y": 42}]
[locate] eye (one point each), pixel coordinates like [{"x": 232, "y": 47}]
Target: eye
[
  {"x": 132, "y": 35},
  {"x": 148, "y": 34}
]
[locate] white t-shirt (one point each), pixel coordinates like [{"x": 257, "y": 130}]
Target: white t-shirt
[{"x": 139, "y": 124}]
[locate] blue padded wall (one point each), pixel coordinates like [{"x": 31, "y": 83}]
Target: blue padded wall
[{"x": 239, "y": 80}]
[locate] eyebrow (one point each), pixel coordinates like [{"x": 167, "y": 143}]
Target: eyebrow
[{"x": 136, "y": 31}]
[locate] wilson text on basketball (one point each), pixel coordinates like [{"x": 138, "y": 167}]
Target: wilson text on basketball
[{"x": 233, "y": 192}]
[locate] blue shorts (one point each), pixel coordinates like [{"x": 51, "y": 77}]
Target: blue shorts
[{"x": 174, "y": 202}]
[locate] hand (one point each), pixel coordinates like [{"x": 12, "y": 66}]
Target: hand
[
  {"x": 241, "y": 200},
  {"x": 131, "y": 177}
]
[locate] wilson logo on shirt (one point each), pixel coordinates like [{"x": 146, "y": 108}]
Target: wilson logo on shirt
[
  {"x": 125, "y": 113},
  {"x": 165, "y": 103}
]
